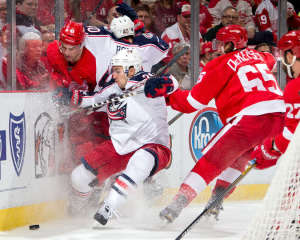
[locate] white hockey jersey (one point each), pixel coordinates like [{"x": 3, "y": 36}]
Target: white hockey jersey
[
  {"x": 137, "y": 120},
  {"x": 101, "y": 43}
]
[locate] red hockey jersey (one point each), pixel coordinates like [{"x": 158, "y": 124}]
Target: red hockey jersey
[
  {"x": 241, "y": 84},
  {"x": 292, "y": 115},
  {"x": 83, "y": 71}
]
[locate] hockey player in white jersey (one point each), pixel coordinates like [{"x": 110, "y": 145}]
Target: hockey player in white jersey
[
  {"x": 139, "y": 145},
  {"x": 104, "y": 44}
]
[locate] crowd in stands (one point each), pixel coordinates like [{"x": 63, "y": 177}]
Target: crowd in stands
[{"x": 170, "y": 19}]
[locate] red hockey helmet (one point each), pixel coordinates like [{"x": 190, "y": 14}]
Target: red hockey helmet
[
  {"x": 72, "y": 33},
  {"x": 235, "y": 34},
  {"x": 290, "y": 41}
]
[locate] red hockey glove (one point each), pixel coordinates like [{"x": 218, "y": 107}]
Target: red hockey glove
[
  {"x": 63, "y": 96},
  {"x": 76, "y": 98},
  {"x": 265, "y": 154},
  {"x": 160, "y": 86},
  {"x": 138, "y": 27}
]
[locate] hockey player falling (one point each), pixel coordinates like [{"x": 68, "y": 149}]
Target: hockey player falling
[
  {"x": 139, "y": 145},
  {"x": 249, "y": 103},
  {"x": 268, "y": 153}
]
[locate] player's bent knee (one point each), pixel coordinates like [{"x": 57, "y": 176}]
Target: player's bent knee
[
  {"x": 80, "y": 179},
  {"x": 140, "y": 165}
]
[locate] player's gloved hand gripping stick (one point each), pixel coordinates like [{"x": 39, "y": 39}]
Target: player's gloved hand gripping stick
[{"x": 129, "y": 92}]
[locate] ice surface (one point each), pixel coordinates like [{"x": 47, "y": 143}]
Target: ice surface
[{"x": 145, "y": 225}]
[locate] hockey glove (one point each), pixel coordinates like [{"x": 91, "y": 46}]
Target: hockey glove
[
  {"x": 124, "y": 9},
  {"x": 160, "y": 86},
  {"x": 138, "y": 27},
  {"x": 63, "y": 96},
  {"x": 265, "y": 154}
]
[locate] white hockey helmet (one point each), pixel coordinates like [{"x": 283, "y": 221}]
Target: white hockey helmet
[
  {"x": 122, "y": 27},
  {"x": 127, "y": 58}
]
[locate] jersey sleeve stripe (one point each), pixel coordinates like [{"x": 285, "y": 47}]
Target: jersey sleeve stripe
[
  {"x": 287, "y": 134},
  {"x": 229, "y": 174},
  {"x": 194, "y": 103}
]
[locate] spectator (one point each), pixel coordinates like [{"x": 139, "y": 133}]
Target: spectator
[
  {"x": 3, "y": 20},
  {"x": 164, "y": 15},
  {"x": 243, "y": 7},
  {"x": 205, "y": 18},
  {"x": 26, "y": 20},
  {"x": 180, "y": 31},
  {"x": 3, "y": 52},
  {"x": 45, "y": 13},
  {"x": 263, "y": 47},
  {"x": 206, "y": 54},
  {"x": 47, "y": 38},
  {"x": 293, "y": 22},
  {"x": 181, "y": 69},
  {"x": 144, "y": 14},
  {"x": 3, "y": 13},
  {"x": 112, "y": 13},
  {"x": 229, "y": 16},
  {"x": 99, "y": 18},
  {"x": 31, "y": 72},
  {"x": 266, "y": 16}
]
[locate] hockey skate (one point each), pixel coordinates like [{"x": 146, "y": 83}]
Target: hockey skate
[
  {"x": 105, "y": 213},
  {"x": 171, "y": 212},
  {"x": 215, "y": 211}
]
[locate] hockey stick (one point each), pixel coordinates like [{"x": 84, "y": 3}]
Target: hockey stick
[
  {"x": 178, "y": 115},
  {"x": 131, "y": 91},
  {"x": 218, "y": 199}
]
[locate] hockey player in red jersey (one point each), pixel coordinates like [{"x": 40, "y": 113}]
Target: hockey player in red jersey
[
  {"x": 139, "y": 145},
  {"x": 267, "y": 153},
  {"x": 249, "y": 103},
  {"x": 80, "y": 61},
  {"x": 74, "y": 67}
]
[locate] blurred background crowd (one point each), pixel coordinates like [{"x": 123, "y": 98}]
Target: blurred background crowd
[{"x": 170, "y": 19}]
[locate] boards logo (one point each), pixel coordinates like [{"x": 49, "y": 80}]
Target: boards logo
[
  {"x": 17, "y": 137},
  {"x": 2, "y": 145},
  {"x": 44, "y": 139},
  {"x": 204, "y": 126}
]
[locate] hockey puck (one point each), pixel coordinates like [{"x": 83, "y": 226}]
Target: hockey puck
[{"x": 34, "y": 227}]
